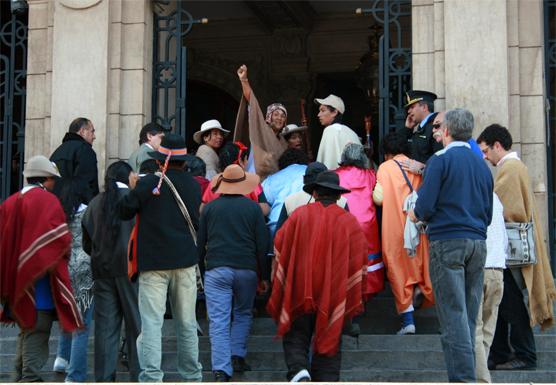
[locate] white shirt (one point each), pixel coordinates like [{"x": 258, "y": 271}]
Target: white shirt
[
  {"x": 509, "y": 155},
  {"x": 497, "y": 238}
]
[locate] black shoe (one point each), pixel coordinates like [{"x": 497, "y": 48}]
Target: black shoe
[
  {"x": 239, "y": 364},
  {"x": 220, "y": 376},
  {"x": 515, "y": 364}
]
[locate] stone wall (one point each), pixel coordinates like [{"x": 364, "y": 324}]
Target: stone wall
[
  {"x": 88, "y": 58},
  {"x": 487, "y": 56}
]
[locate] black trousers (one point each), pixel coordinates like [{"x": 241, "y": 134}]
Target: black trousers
[
  {"x": 513, "y": 331},
  {"x": 297, "y": 343},
  {"x": 115, "y": 300}
]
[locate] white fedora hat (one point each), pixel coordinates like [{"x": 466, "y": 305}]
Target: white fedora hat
[
  {"x": 291, "y": 128},
  {"x": 40, "y": 166},
  {"x": 332, "y": 101},
  {"x": 206, "y": 127}
]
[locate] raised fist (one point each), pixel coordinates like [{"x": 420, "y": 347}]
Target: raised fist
[{"x": 242, "y": 72}]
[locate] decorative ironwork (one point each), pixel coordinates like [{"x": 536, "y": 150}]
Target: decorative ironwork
[
  {"x": 550, "y": 71},
  {"x": 170, "y": 65},
  {"x": 394, "y": 60},
  {"x": 13, "y": 71}
]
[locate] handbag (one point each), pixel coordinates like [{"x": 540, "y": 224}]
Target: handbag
[{"x": 521, "y": 244}]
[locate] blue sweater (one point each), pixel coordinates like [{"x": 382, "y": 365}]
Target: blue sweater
[{"x": 455, "y": 198}]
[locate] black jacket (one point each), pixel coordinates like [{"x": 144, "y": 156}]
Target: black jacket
[
  {"x": 421, "y": 143},
  {"x": 233, "y": 233},
  {"x": 77, "y": 161},
  {"x": 164, "y": 241},
  {"x": 107, "y": 260}
]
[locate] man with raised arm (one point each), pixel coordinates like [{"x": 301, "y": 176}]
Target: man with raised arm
[{"x": 262, "y": 133}]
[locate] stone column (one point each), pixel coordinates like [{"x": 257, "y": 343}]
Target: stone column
[
  {"x": 88, "y": 58},
  {"x": 487, "y": 56}
]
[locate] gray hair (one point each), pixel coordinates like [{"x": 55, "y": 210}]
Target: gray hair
[
  {"x": 354, "y": 155},
  {"x": 459, "y": 124}
]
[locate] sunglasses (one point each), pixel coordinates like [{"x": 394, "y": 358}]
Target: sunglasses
[{"x": 437, "y": 126}]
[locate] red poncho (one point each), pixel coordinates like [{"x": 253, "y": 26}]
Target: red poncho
[
  {"x": 321, "y": 255},
  {"x": 35, "y": 240}
]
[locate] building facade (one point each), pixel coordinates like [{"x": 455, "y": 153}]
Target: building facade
[{"x": 123, "y": 63}]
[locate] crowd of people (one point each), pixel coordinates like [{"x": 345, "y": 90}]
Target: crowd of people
[{"x": 254, "y": 217}]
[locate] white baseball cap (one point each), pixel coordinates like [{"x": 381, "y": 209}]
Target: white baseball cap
[
  {"x": 207, "y": 126},
  {"x": 332, "y": 101}
]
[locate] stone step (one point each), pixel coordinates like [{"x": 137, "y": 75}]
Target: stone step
[
  {"x": 352, "y": 360},
  {"x": 368, "y": 375},
  {"x": 258, "y": 343}
]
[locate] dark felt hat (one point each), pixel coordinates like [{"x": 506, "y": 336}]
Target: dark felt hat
[
  {"x": 414, "y": 96},
  {"x": 326, "y": 179},
  {"x": 312, "y": 171},
  {"x": 173, "y": 145}
]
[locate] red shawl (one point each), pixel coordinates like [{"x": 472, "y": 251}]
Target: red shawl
[
  {"x": 321, "y": 255},
  {"x": 35, "y": 241}
]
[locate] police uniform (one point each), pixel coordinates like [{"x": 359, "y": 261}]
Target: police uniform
[{"x": 421, "y": 143}]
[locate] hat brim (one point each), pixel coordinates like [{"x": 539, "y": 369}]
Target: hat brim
[
  {"x": 297, "y": 129},
  {"x": 198, "y": 136},
  {"x": 242, "y": 188},
  {"x": 309, "y": 188},
  {"x": 160, "y": 156}
]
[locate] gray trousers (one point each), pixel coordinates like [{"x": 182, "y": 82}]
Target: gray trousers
[
  {"x": 456, "y": 269},
  {"x": 31, "y": 352},
  {"x": 115, "y": 300}
]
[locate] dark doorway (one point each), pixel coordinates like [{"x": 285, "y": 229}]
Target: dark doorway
[{"x": 208, "y": 102}]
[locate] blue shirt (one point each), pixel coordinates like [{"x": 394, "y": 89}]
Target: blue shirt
[
  {"x": 455, "y": 198},
  {"x": 278, "y": 186},
  {"x": 43, "y": 294}
]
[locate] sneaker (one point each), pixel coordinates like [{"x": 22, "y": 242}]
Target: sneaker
[
  {"x": 301, "y": 376},
  {"x": 515, "y": 364},
  {"x": 409, "y": 329},
  {"x": 239, "y": 365},
  {"x": 220, "y": 376},
  {"x": 60, "y": 365}
]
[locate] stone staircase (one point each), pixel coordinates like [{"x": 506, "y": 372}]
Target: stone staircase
[{"x": 377, "y": 356}]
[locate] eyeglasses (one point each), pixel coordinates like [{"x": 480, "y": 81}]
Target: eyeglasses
[{"x": 437, "y": 125}]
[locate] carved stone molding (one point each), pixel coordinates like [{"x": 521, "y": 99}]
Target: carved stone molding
[{"x": 79, "y": 4}]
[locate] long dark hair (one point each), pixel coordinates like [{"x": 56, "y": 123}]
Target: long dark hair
[{"x": 109, "y": 218}]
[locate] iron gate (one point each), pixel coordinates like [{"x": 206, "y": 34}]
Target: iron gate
[
  {"x": 170, "y": 65},
  {"x": 13, "y": 70},
  {"x": 550, "y": 76},
  {"x": 394, "y": 61}
]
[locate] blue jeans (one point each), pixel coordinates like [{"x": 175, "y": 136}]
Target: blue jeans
[
  {"x": 73, "y": 348},
  {"x": 224, "y": 286},
  {"x": 456, "y": 270},
  {"x": 181, "y": 285}
]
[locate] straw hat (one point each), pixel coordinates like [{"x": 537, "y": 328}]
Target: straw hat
[
  {"x": 40, "y": 166},
  {"x": 206, "y": 127},
  {"x": 291, "y": 128},
  {"x": 234, "y": 180}
]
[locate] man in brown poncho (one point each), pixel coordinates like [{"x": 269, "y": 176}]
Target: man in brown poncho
[
  {"x": 513, "y": 187},
  {"x": 261, "y": 133}
]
